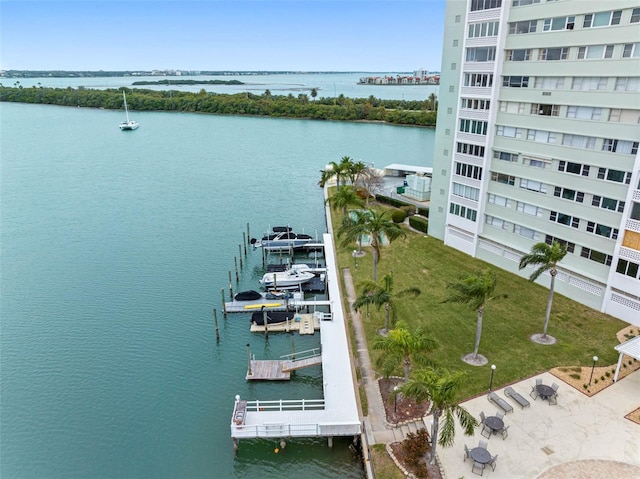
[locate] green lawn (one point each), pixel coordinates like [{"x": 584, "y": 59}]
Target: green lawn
[{"x": 428, "y": 264}]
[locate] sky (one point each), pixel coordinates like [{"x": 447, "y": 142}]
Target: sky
[{"x": 272, "y": 35}]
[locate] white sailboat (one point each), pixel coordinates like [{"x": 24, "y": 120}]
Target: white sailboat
[{"x": 128, "y": 124}]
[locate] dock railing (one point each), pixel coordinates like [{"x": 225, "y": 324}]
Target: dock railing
[
  {"x": 281, "y": 405},
  {"x": 309, "y": 353}
]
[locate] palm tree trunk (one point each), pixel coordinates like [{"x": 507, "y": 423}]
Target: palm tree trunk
[
  {"x": 434, "y": 435},
  {"x": 478, "y": 332},
  {"x": 407, "y": 367},
  {"x": 549, "y": 301},
  {"x": 386, "y": 322},
  {"x": 375, "y": 263}
]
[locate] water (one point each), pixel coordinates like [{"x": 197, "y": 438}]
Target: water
[
  {"x": 327, "y": 85},
  {"x": 115, "y": 247}
]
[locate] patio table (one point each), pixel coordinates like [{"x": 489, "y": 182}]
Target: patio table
[
  {"x": 480, "y": 455},
  {"x": 494, "y": 423},
  {"x": 544, "y": 391}
]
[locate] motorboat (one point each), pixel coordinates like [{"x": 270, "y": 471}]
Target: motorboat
[
  {"x": 282, "y": 237},
  {"x": 273, "y": 317},
  {"x": 292, "y": 277}
]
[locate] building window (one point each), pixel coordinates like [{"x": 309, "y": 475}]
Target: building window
[
  {"x": 485, "y": 4},
  {"x": 518, "y": 55},
  {"x": 453, "y": 66},
  {"x": 511, "y": 107},
  {"x": 635, "y": 211},
  {"x": 502, "y": 178},
  {"x": 455, "y": 43},
  {"x": 550, "y": 83},
  {"x": 535, "y": 163},
  {"x": 552, "y": 54},
  {"x": 602, "y": 19},
  {"x": 481, "y": 54},
  {"x": 608, "y": 203},
  {"x": 635, "y": 16},
  {"x": 627, "y": 84},
  {"x": 614, "y": 175},
  {"x": 457, "y": 19},
  {"x": 465, "y": 191},
  {"x": 559, "y": 23},
  {"x": 499, "y": 223},
  {"x": 450, "y": 88},
  {"x": 620, "y": 146},
  {"x": 602, "y": 230},
  {"x": 532, "y": 185},
  {"x": 528, "y": 209},
  {"x": 584, "y": 112},
  {"x": 564, "y": 219},
  {"x": 515, "y": 81},
  {"x": 541, "y": 136},
  {"x": 545, "y": 110},
  {"x": 449, "y": 111},
  {"x": 474, "y": 104},
  {"x": 463, "y": 211},
  {"x": 575, "y": 168},
  {"x": 518, "y": 28},
  {"x": 596, "y": 256},
  {"x": 595, "y": 52},
  {"x": 509, "y": 131},
  {"x": 468, "y": 171},
  {"x": 478, "y": 79},
  {"x": 526, "y": 232},
  {"x": 589, "y": 83},
  {"x": 631, "y": 50},
  {"x": 521, "y": 3},
  {"x": 476, "y": 127},
  {"x": 470, "y": 149},
  {"x": 619, "y": 115},
  {"x": 500, "y": 200},
  {"x": 628, "y": 268},
  {"x": 486, "y": 29},
  {"x": 568, "y": 194},
  {"x": 579, "y": 141},
  {"x": 571, "y": 247},
  {"x": 504, "y": 156},
  {"x": 447, "y": 132}
]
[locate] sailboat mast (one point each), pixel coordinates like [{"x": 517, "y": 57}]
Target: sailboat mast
[{"x": 126, "y": 109}]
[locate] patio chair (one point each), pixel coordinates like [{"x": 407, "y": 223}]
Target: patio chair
[
  {"x": 485, "y": 431},
  {"x": 478, "y": 465},
  {"x": 498, "y": 401},
  {"x": 511, "y": 393},
  {"x": 482, "y": 444},
  {"x": 505, "y": 432},
  {"x": 555, "y": 387},
  {"x": 467, "y": 453},
  {"x": 499, "y": 414},
  {"x": 553, "y": 400},
  {"x": 534, "y": 392},
  {"x": 492, "y": 462},
  {"x": 482, "y": 417},
  {"x": 538, "y": 381}
]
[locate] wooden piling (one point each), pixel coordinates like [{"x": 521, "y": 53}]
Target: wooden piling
[
  {"x": 248, "y": 235},
  {"x": 240, "y": 254},
  {"x": 235, "y": 262},
  {"x": 244, "y": 242},
  {"x": 249, "y": 372},
  {"x": 230, "y": 285}
]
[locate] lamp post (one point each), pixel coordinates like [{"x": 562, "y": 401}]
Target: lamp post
[
  {"x": 493, "y": 368},
  {"x": 395, "y": 399},
  {"x": 595, "y": 360},
  {"x": 355, "y": 257}
]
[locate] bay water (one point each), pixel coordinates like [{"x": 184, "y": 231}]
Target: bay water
[{"x": 115, "y": 247}]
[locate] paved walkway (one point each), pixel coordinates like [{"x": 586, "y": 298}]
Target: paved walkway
[{"x": 579, "y": 438}]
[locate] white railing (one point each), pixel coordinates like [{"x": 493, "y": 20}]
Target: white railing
[
  {"x": 309, "y": 353},
  {"x": 281, "y": 405}
]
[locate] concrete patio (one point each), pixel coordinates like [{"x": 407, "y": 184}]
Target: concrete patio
[{"x": 580, "y": 437}]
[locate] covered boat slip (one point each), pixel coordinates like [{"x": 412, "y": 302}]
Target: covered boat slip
[{"x": 335, "y": 415}]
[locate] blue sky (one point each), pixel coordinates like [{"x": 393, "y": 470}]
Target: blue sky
[{"x": 301, "y": 35}]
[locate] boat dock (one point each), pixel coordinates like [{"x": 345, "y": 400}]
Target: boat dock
[
  {"x": 334, "y": 415},
  {"x": 280, "y": 370},
  {"x": 306, "y": 324}
]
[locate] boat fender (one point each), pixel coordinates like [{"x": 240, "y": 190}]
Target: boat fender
[{"x": 253, "y": 241}]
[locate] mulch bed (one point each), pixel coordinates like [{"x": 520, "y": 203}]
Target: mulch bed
[{"x": 399, "y": 410}]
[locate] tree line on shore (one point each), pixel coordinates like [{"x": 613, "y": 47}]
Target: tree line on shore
[{"x": 399, "y": 112}]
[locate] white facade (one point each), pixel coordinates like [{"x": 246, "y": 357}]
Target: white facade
[{"x": 538, "y": 130}]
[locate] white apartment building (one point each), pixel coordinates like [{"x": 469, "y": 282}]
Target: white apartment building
[{"x": 537, "y": 139}]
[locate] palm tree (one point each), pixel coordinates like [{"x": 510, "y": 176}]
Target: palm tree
[
  {"x": 474, "y": 290},
  {"x": 403, "y": 347},
  {"x": 546, "y": 258},
  {"x": 441, "y": 387},
  {"x": 433, "y": 102},
  {"x": 382, "y": 295},
  {"x": 337, "y": 170},
  {"x": 345, "y": 196},
  {"x": 314, "y": 93},
  {"x": 374, "y": 224}
]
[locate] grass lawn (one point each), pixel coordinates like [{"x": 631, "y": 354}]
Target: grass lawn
[{"x": 516, "y": 313}]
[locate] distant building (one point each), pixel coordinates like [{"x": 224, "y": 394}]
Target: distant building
[{"x": 537, "y": 140}]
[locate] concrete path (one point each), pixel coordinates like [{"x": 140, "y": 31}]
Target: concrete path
[{"x": 579, "y": 438}]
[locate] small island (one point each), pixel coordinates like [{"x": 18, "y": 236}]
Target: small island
[{"x": 187, "y": 82}]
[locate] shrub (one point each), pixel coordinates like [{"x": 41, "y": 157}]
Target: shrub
[
  {"x": 574, "y": 376},
  {"x": 398, "y": 216},
  {"x": 410, "y": 210},
  {"x": 419, "y": 223},
  {"x": 391, "y": 201},
  {"x": 423, "y": 212}
]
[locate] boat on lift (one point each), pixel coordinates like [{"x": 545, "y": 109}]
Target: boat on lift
[
  {"x": 282, "y": 237},
  {"x": 290, "y": 278}
]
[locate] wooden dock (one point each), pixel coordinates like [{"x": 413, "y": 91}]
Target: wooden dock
[
  {"x": 280, "y": 369},
  {"x": 308, "y": 324}
]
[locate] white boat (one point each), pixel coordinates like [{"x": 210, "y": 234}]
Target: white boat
[
  {"x": 291, "y": 277},
  {"x": 128, "y": 124},
  {"x": 282, "y": 238}
]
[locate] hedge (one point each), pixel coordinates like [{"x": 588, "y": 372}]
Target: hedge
[{"x": 419, "y": 223}]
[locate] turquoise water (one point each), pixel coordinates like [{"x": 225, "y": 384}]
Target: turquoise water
[{"x": 115, "y": 247}]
